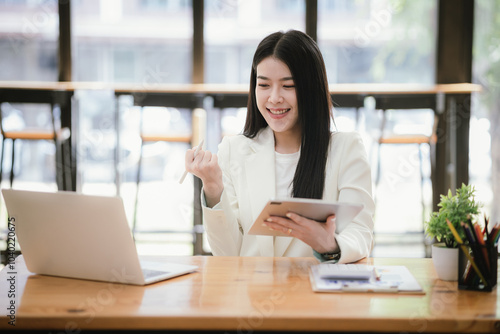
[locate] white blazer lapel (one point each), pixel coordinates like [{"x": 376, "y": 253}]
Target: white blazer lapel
[{"x": 261, "y": 180}]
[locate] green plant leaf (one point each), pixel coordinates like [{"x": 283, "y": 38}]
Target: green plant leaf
[{"x": 456, "y": 208}]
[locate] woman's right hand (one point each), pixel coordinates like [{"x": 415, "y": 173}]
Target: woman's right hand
[{"x": 205, "y": 166}]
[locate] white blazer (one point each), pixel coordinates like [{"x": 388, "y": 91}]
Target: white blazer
[{"x": 248, "y": 169}]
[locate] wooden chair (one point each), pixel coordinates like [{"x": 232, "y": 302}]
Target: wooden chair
[{"x": 57, "y": 135}]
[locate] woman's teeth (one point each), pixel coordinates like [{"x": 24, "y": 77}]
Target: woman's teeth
[{"x": 278, "y": 112}]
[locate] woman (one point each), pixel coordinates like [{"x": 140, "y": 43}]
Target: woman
[{"x": 286, "y": 150}]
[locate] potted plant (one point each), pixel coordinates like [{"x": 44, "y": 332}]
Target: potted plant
[{"x": 456, "y": 208}]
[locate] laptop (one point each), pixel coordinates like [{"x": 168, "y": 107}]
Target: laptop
[{"x": 81, "y": 236}]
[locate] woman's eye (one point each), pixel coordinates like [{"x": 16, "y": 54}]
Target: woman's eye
[
  {"x": 263, "y": 85},
  {"x": 289, "y": 86}
]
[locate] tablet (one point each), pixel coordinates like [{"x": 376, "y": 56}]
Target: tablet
[{"x": 316, "y": 209}]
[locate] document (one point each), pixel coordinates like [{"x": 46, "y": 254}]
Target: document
[{"x": 342, "y": 278}]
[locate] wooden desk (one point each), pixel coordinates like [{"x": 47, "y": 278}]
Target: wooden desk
[{"x": 238, "y": 294}]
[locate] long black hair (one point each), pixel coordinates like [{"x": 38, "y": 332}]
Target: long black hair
[{"x": 303, "y": 57}]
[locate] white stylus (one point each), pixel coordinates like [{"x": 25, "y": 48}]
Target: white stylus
[{"x": 195, "y": 153}]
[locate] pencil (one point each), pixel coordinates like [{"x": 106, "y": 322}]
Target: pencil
[
  {"x": 482, "y": 245},
  {"x": 494, "y": 234},
  {"x": 195, "y": 153},
  {"x": 474, "y": 245},
  {"x": 464, "y": 249}
]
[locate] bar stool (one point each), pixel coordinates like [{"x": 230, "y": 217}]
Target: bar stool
[
  {"x": 390, "y": 108},
  {"x": 417, "y": 139},
  {"x": 151, "y": 138},
  {"x": 57, "y": 135},
  {"x": 355, "y": 102},
  {"x": 198, "y": 132},
  {"x": 222, "y": 102}
]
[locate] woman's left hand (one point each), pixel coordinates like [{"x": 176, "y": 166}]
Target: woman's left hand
[{"x": 319, "y": 235}]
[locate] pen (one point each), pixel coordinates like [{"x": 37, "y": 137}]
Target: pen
[
  {"x": 464, "y": 249},
  {"x": 376, "y": 273},
  {"x": 195, "y": 153}
]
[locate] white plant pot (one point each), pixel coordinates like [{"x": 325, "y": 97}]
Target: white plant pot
[{"x": 445, "y": 262}]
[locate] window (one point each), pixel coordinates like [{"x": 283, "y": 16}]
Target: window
[
  {"x": 378, "y": 41},
  {"x": 134, "y": 41},
  {"x": 233, "y": 28},
  {"x": 149, "y": 42},
  {"x": 29, "y": 40},
  {"x": 484, "y": 152}
]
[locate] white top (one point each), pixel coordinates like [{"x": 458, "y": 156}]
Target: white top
[{"x": 286, "y": 164}]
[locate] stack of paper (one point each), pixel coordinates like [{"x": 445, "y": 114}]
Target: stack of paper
[{"x": 329, "y": 277}]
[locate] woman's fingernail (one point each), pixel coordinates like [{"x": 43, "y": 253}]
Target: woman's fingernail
[
  {"x": 269, "y": 220},
  {"x": 265, "y": 225}
]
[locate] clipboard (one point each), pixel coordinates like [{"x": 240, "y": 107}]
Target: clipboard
[
  {"x": 316, "y": 209},
  {"x": 390, "y": 279}
]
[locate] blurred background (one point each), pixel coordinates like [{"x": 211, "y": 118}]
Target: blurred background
[{"x": 149, "y": 43}]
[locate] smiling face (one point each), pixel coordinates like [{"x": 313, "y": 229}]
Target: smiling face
[{"x": 276, "y": 97}]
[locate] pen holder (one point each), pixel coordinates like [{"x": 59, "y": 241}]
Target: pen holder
[{"x": 485, "y": 259}]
